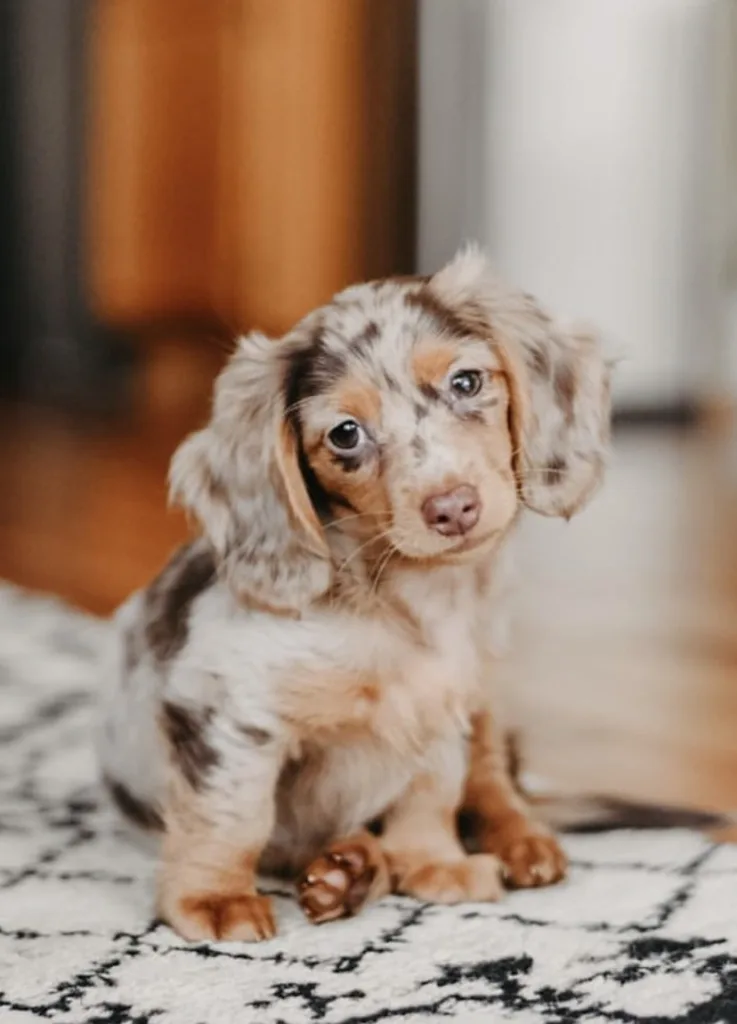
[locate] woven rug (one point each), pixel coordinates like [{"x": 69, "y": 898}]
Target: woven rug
[{"x": 644, "y": 930}]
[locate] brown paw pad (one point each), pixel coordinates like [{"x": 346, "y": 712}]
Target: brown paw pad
[
  {"x": 533, "y": 860},
  {"x": 336, "y": 884}
]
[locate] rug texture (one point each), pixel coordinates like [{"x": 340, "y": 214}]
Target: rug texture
[{"x": 644, "y": 930}]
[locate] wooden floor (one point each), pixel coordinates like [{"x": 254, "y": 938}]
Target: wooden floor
[
  {"x": 625, "y": 669},
  {"x": 624, "y": 675}
]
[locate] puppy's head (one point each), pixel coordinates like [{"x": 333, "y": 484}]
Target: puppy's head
[{"x": 416, "y": 413}]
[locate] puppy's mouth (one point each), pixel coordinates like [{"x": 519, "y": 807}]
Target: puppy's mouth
[
  {"x": 473, "y": 542},
  {"x": 468, "y": 547}
]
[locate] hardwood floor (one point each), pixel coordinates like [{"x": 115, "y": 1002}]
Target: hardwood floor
[
  {"x": 624, "y": 672},
  {"x": 625, "y": 665},
  {"x": 83, "y": 506}
]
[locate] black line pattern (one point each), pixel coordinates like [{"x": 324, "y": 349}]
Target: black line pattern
[{"x": 645, "y": 931}]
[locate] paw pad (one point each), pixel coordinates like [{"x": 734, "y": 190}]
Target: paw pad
[{"x": 336, "y": 884}]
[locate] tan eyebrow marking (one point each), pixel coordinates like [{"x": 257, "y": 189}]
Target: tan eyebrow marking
[
  {"x": 359, "y": 399},
  {"x": 431, "y": 361}
]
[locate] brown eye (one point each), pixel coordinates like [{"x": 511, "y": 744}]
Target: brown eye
[
  {"x": 348, "y": 436},
  {"x": 466, "y": 383}
]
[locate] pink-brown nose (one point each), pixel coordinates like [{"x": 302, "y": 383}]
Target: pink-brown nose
[{"x": 454, "y": 513}]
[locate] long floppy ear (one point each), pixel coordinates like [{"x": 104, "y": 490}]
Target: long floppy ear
[
  {"x": 559, "y": 382},
  {"x": 241, "y": 478}
]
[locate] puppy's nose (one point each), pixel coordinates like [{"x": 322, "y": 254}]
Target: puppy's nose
[{"x": 454, "y": 513}]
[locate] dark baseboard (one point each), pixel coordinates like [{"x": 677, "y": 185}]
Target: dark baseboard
[{"x": 683, "y": 413}]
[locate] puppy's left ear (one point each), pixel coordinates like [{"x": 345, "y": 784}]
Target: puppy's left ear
[
  {"x": 241, "y": 478},
  {"x": 559, "y": 383}
]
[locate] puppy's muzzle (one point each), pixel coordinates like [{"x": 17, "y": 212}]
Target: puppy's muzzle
[{"x": 454, "y": 513}]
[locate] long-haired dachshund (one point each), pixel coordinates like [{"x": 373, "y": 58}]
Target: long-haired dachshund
[{"x": 305, "y": 688}]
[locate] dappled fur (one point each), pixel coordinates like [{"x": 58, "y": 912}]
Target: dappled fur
[{"x": 319, "y": 661}]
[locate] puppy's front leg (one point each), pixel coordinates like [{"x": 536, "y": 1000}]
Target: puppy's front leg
[
  {"x": 219, "y": 816},
  {"x": 420, "y": 838},
  {"x": 502, "y": 821},
  {"x": 418, "y": 854}
]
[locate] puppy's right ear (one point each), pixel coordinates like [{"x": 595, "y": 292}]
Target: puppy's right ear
[
  {"x": 241, "y": 478},
  {"x": 558, "y": 380}
]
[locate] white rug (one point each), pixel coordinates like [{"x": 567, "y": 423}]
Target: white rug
[{"x": 644, "y": 930}]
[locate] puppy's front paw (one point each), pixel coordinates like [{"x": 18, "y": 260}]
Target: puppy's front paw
[
  {"x": 337, "y": 883},
  {"x": 218, "y": 917},
  {"x": 476, "y": 878},
  {"x": 531, "y": 855}
]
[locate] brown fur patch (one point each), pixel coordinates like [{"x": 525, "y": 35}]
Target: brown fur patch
[
  {"x": 515, "y": 762},
  {"x": 498, "y": 815},
  {"x": 475, "y": 318},
  {"x": 300, "y": 506},
  {"x": 554, "y": 471},
  {"x": 490, "y": 794},
  {"x": 255, "y": 735},
  {"x": 538, "y": 359},
  {"x": 330, "y": 702},
  {"x": 362, "y": 491},
  {"x": 169, "y": 598},
  {"x": 368, "y": 335},
  {"x": 370, "y": 692},
  {"x": 359, "y": 399},
  {"x": 185, "y": 729},
  {"x": 247, "y": 917},
  {"x": 431, "y": 361},
  {"x": 311, "y": 371},
  {"x": 137, "y": 811},
  {"x": 444, "y": 319},
  {"x": 564, "y": 386}
]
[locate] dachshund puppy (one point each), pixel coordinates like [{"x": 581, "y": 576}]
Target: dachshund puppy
[{"x": 305, "y": 688}]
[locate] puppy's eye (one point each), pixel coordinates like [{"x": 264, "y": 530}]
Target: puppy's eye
[
  {"x": 466, "y": 383},
  {"x": 348, "y": 436}
]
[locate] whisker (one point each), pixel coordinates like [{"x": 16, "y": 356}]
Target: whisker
[
  {"x": 383, "y": 535},
  {"x": 382, "y": 567},
  {"x": 298, "y": 404},
  {"x": 522, "y": 477},
  {"x": 358, "y": 515}
]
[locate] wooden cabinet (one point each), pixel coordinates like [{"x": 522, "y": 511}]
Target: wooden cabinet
[{"x": 247, "y": 157}]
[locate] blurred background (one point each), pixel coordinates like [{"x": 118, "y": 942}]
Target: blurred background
[{"x": 173, "y": 172}]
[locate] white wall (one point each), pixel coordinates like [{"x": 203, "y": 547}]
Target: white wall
[{"x": 578, "y": 140}]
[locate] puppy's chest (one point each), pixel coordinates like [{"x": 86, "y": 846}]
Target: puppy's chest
[{"x": 393, "y": 690}]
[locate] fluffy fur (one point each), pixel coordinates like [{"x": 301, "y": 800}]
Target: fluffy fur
[{"x": 305, "y": 688}]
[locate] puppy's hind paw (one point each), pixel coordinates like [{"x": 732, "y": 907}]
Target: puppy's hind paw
[
  {"x": 531, "y": 857},
  {"x": 337, "y": 883}
]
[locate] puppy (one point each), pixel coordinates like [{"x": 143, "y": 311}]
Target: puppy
[{"x": 304, "y": 689}]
